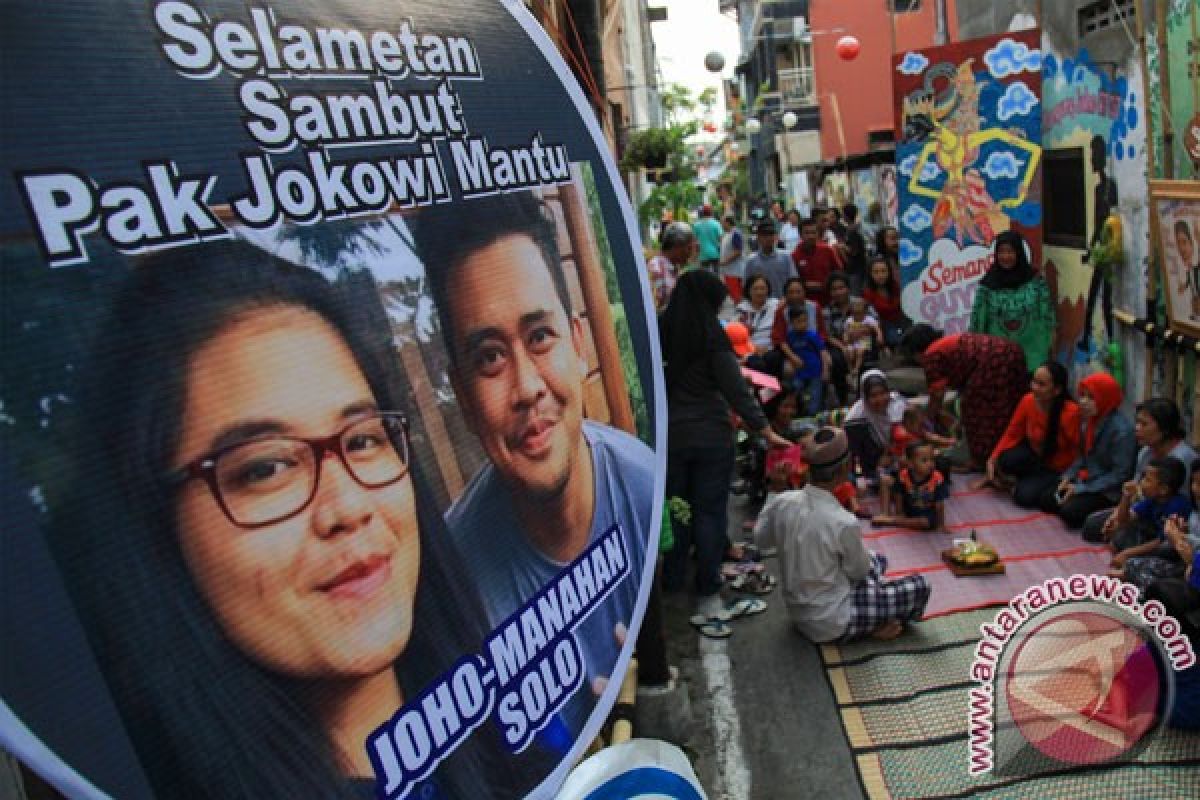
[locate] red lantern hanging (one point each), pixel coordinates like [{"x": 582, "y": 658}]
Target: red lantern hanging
[{"x": 847, "y": 48}]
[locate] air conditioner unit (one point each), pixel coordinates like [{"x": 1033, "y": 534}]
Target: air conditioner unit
[{"x": 799, "y": 29}]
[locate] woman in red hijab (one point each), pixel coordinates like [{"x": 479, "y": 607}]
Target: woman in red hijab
[{"x": 1108, "y": 451}]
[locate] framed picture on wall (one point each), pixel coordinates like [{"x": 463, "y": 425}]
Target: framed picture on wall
[{"x": 1177, "y": 236}]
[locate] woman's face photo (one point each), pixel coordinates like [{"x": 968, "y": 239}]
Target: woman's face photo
[
  {"x": 327, "y": 592},
  {"x": 1187, "y": 249}
]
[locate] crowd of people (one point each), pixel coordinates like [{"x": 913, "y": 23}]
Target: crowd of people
[{"x": 816, "y": 316}]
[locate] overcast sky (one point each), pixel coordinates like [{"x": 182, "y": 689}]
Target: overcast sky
[{"x": 693, "y": 29}]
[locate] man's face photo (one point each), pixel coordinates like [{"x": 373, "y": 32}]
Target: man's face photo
[{"x": 519, "y": 365}]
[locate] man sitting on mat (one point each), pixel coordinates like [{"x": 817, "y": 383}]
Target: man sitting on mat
[{"x": 833, "y": 586}]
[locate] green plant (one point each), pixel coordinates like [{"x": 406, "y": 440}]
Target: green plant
[
  {"x": 679, "y": 197},
  {"x": 651, "y": 148}
]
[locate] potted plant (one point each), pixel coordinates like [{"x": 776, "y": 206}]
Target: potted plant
[{"x": 652, "y": 148}]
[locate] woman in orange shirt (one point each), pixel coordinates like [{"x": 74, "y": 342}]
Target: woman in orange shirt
[{"x": 1042, "y": 438}]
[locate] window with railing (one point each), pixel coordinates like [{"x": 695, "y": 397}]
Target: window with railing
[{"x": 796, "y": 86}]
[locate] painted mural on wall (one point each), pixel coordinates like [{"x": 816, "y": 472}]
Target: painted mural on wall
[
  {"x": 866, "y": 192},
  {"x": 969, "y": 131},
  {"x": 1094, "y": 124},
  {"x": 1183, "y": 48}
]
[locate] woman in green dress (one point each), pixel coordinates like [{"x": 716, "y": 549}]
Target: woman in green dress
[{"x": 1013, "y": 301}]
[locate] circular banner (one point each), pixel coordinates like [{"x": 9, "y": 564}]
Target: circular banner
[{"x": 331, "y": 429}]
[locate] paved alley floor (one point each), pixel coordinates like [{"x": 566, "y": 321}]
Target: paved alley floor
[{"x": 765, "y": 723}]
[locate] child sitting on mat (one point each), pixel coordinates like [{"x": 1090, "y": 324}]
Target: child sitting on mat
[
  {"x": 847, "y": 494},
  {"x": 1154, "y": 557},
  {"x": 916, "y": 497}
]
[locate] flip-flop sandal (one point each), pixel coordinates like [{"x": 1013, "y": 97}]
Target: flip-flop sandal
[
  {"x": 753, "y": 552},
  {"x": 721, "y": 615},
  {"x": 731, "y": 569},
  {"x": 746, "y": 607},
  {"x": 754, "y": 583},
  {"x": 711, "y": 627}
]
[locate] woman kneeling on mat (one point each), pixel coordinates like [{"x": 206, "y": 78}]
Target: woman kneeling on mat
[
  {"x": 1108, "y": 450},
  {"x": 1041, "y": 440}
]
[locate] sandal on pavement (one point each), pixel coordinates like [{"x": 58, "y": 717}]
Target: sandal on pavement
[
  {"x": 731, "y": 569},
  {"x": 711, "y": 627},
  {"x": 746, "y": 607},
  {"x": 754, "y": 583}
]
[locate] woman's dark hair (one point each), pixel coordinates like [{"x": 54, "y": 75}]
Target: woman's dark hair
[
  {"x": 881, "y": 241},
  {"x": 1061, "y": 380},
  {"x": 788, "y": 283},
  {"x": 916, "y": 340},
  {"x": 1166, "y": 416},
  {"x": 889, "y": 286},
  {"x": 688, "y": 327},
  {"x": 204, "y": 718},
  {"x": 757, "y": 277},
  {"x": 771, "y": 407}
]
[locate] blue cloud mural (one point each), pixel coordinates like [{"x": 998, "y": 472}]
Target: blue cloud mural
[
  {"x": 909, "y": 253},
  {"x": 913, "y": 64},
  {"x": 916, "y": 218},
  {"x": 1002, "y": 165},
  {"x": 1017, "y": 100},
  {"x": 905, "y": 165},
  {"x": 1028, "y": 213},
  {"x": 1009, "y": 57},
  {"x": 930, "y": 171}
]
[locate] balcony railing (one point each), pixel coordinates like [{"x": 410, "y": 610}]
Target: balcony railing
[{"x": 796, "y": 87}]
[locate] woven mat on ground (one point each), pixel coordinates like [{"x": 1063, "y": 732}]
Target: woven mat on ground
[
  {"x": 904, "y": 708},
  {"x": 1033, "y": 545}
]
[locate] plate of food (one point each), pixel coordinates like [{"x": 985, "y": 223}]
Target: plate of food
[{"x": 973, "y": 557}]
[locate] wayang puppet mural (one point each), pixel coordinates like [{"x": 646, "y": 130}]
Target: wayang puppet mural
[{"x": 969, "y": 126}]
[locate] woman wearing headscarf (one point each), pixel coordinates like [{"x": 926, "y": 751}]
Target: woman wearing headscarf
[
  {"x": 704, "y": 380},
  {"x": 869, "y": 422},
  {"x": 988, "y": 372},
  {"x": 1108, "y": 451},
  {"x": 1013, "y": 301}
]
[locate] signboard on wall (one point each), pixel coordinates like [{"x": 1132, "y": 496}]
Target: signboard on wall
[
  {"x": 329, "y": 406},
  {"x": 968, "y": 127}
]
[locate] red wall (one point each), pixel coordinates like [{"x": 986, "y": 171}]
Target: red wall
[{"x": 863, "y": 86}]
